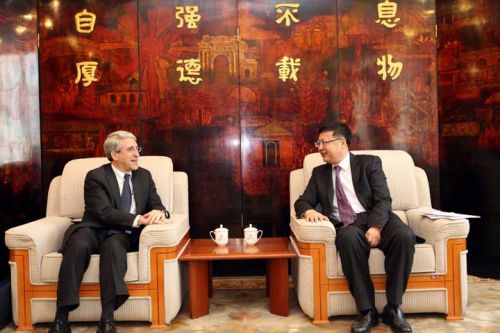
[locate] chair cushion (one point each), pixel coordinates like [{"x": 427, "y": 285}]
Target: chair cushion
[
  {"x": 52, "y": 261},
  {"x": 71, "y": 200},
  {"x": 423, "y": 262}
]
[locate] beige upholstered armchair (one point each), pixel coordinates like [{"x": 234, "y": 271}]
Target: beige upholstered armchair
[
  {"x": 438, "y": 282},
  {"x": 154, "y": 275}
]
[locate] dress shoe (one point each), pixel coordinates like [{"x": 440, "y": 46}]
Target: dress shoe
[
  {"x": 365, "y": 322},
  {"x": 60, "y": 326},
  {"x": 106, "y": 326},
  {"x": 394, "y": 317}
]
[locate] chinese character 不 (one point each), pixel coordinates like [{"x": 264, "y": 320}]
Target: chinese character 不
[
  {"x": 288, "y": 68},
  {"x": 288, "y": 11},
  {"x": 85, "y": 21},
  {"x": 188, "y": 14},
  {"x": 86, "y": 69},
  {"x": 192, "y": 67},
  {"x": 387, "y": 14},
  {"x": 394, "y": 67}
]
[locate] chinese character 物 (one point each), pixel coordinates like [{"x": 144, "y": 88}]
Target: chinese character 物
[{"x": 394, "y": 69}]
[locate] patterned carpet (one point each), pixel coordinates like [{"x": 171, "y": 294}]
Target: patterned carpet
[{"x": 249, "y": 314}]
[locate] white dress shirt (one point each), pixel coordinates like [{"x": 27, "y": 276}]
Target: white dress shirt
[
  {"x": 348, "y": 187},
  {"x": 120, "y": 178}
]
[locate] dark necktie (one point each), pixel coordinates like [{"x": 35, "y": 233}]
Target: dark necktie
[
  {"x": 347, "y": 215},
  {"x": 126, "y": 195}
]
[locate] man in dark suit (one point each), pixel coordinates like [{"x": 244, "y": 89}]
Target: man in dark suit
[
  {"x": 351, "y": 191},
  {"x": 120, "y": 199}
]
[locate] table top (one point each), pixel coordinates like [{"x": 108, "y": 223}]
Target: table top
[{"x": 266, "y": 248}]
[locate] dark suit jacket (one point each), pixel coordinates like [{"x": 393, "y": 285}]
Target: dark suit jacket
[
  {"x": 369, "y": 183},
  {"x": 102, "y": 200}
]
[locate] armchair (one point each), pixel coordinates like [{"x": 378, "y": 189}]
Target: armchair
[
  {"x": 154, "y": 275},
  {"x": 438, "y": 280}
]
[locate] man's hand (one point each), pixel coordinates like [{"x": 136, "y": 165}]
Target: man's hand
[
  {"x": 313, "y": 216},
  {"x": 373, "y": 236},
  {"x": 153, "y": 217}
]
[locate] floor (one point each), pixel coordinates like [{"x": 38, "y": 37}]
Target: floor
[{"x": 250, "y": 315}]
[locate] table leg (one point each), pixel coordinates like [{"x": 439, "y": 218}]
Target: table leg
[
  {"x": 198, "y": 288},
  {"x": 277, "y": 275}
]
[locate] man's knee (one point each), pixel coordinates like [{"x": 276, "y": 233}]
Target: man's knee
[{"x": 350, "y": 236}]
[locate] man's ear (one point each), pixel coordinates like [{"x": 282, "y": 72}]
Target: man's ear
[{"x": 114, "y": 155}]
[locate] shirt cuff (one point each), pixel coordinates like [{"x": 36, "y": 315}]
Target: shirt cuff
[{"x": 136, "y": 222}]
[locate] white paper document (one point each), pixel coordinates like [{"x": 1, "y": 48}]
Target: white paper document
[{"x": 435, "y": 214}]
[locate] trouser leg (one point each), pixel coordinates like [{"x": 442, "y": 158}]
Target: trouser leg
[
  {"x": 112, "y": 269},
  {"x": 76, "y": 258},
  {"x": 398, "y": 244},
  {"x": 354, "y": 251}
]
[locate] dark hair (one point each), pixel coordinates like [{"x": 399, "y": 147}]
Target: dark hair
[{"x": 338, "y": 129}]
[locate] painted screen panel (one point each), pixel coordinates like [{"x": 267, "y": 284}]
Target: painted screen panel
[
  {"x": 387, "y": 78},
  {"x": 89, "y": 77},
  {"x": 288, "y": 74},
  {"x": 189, "y": 78},
  {"x": 20, "y": 178}
]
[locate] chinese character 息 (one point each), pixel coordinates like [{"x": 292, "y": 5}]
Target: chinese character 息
[{"x": 387, "y": 14}]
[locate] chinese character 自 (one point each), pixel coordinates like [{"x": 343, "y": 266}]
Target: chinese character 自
[
  {"x": 86, "y": 72},
  {"x": 394, "y": 69},
  {"x": 387, "y": 13},
  {"x": 287, "y": 10},
  {"x": 187, "y": 14},
  {"x": 288, "y": 68},
  {"x": 192, "y": 69},
  {"x": 85, "y": 21}
]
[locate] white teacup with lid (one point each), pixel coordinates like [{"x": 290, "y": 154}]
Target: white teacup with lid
[
  {"x": 220, "y": 235},
  {"x": 252, "y": 235}
]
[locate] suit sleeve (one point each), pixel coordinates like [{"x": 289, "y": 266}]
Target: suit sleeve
[
  {"x": 380, "y": 212},
  {"x": 98, "y": 204},
  {"x": 310, "y": 198}
]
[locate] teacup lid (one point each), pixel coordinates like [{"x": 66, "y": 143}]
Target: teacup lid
[
  {"x": 221, "y": 228},
  {"x": 250, "y": 228}
]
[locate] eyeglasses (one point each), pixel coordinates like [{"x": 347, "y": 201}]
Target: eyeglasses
[
  {"x": 318, "y": 143},
  {"x": 132, "y": 149}
]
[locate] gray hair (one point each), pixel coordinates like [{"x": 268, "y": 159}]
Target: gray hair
[{"x": 113, "y": 142}]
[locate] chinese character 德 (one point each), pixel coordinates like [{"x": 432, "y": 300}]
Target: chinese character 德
[
  {"x": 187, "y": 14},
  {"x": 288, "y": 68},
  {"x": 86, "y": 72},
  {"x": 85, "y": 21},
  {"x": 394, "y": 69},
  {"x": 387, "y": 14},
  {"x": 288, "y": 10},
  {"x": 192, "y": 67}
]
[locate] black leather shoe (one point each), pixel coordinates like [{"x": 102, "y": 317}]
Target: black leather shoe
[
  {"x": 60, "y": 326},
  {"x": 395, "y": 318},
  {"x": 365, "y": 322},
  {"x": 106, "y": 326}
]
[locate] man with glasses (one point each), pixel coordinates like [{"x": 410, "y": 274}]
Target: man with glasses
[
  {"x": 352, "y": 193},
  {"x": 120, "y": 199}
]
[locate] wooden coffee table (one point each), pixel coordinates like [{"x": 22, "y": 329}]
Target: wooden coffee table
[{"x": 275, "y": 250}]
